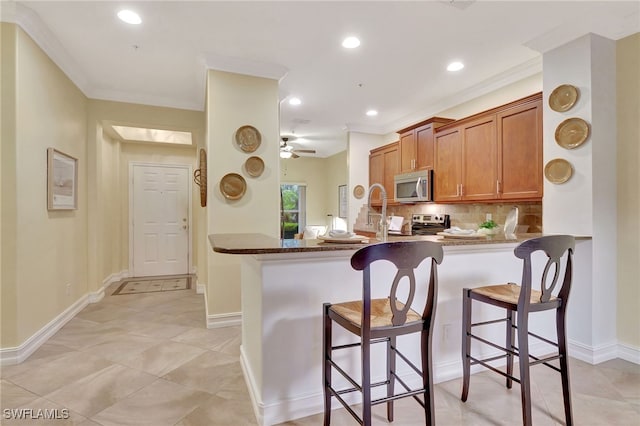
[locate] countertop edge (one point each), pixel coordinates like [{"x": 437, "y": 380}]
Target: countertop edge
[{"x": 257, "y": 244}]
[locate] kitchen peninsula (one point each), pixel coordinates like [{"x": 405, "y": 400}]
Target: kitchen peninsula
[{"x": 285, "y": 282}]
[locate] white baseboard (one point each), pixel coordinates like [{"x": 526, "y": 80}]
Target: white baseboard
[
  {"x": 96, "y": 296},
  {"x": 593, "y": 355},
  {"x": 629, "y": 353},
  {"x": 224, "y": 320},
  {"x": 10, "y": 356}
]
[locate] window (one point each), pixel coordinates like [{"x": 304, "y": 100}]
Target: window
[{"x": 293, "y": 210}]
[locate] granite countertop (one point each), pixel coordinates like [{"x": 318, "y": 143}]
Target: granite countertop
[{"x": 264, "y": 244}]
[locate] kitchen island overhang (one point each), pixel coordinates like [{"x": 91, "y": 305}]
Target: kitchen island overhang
[{"x": 285, "y": 282}]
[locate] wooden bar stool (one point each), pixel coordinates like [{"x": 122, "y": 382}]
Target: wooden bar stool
[
  {"x": 524, "y": 300},
  {"x": 381, "y": 321}
]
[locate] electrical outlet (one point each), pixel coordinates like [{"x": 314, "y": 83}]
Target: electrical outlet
[
  {"x": 488, "y": 217},
  {"x": 68, "y": 290},
  {"x": 446, "y": 332}
]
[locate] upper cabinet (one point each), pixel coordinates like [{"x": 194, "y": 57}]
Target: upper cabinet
[
  {"x": 383, "y": 166},
  {"x": 492, "y": 156},
  {"x": 520, "y": 153},
  {"x": 416, "y": 146}
]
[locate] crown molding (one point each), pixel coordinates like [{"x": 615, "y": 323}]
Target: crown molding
[
  {"x": 498, "y": 81},
  {"x": 244, "y": 66},
  {"x": 31, "y": 23}
]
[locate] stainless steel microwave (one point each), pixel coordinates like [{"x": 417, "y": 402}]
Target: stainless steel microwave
[{"x": 414, "y": 187}]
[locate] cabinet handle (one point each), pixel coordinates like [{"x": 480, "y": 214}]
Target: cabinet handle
[
  {"x": 461, "y": 190},
  {"x": 497, "y": 186}
]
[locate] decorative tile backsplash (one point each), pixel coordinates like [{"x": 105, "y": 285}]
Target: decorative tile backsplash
[{"x": 471, "y": 215}]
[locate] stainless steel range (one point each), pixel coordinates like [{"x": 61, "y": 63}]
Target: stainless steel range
[{"x": 429, "y": 224}]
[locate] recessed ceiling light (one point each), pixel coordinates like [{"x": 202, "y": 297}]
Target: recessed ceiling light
[
  {"x": 350, "y": 42},
  {"x": 129, "y": 16},
  {"x": 295, "y": 101},
  {"x": 372, "y": 113},
  {"x": 455, "y": 66}
]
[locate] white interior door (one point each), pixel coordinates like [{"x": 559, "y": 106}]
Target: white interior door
[{"x": 160, "y": 200}]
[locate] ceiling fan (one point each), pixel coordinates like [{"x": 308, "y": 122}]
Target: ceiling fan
[{"x": 287, "y": 151}]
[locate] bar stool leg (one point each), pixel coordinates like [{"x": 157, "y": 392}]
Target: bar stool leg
[
  {"x": 525, "y": 381},
  {"x": 326, "y": 365},
  {"x": 509, "y": 345},
  {"x": 391, "y": 378},
  {"x": 466, "y": 342},
  {"x": 366, "y": 381},
  {"x": 564, "y": 364},
  {"x": 427, "y": 379}
]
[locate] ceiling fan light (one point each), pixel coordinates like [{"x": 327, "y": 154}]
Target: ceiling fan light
[{"x": 285, "y": 154}]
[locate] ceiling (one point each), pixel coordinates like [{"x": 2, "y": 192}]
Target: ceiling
[{"x": 399, "y": 69}]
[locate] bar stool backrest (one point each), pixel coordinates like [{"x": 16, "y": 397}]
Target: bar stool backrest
[
  {"x": 406, "y": 256},
  {"x": 555, "y": 247}
]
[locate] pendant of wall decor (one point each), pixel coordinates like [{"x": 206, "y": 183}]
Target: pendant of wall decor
[
  {"x": 563, "y": 98},
  {"x": 254, "y": 166},
  {"x": 572, "y": 133},
  {"x": 558, "y": 170},
  {"x": 200, "y": 177},
  {"x": 248, "y": 138},
  {"x": 233, "y": 186}
]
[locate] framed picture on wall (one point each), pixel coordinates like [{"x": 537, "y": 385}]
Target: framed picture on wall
[
  {"x": 62, "y": 181},
  {"x": 342, "y": 201}
]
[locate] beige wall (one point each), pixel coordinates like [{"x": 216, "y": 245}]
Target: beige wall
[
  {"x": 322, "y": 176},
  {"x": 235, "y": 100},
  {"x": 336, "y": 174},
  {"x": 628, "y": 158},
  {"x": 50, "y": 246},
  {"x": 8, "y": 207}
]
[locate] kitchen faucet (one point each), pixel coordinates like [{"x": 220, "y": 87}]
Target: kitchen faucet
[{"x": 383, "y": 228}]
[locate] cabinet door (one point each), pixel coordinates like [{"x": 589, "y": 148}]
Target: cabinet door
[
  {"x": 480, "y": 160},
  {"x": 424, "y": 147},
  {"x": 376, "y": 175},
  {"x": 391, "y": 165},
  {"x": 520, "y": 161},
  {"x": 407, "y": 151},
  {"x": 448, "y": 167}
]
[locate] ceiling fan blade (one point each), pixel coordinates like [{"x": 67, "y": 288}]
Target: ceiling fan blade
[
  {"x": 306, "y": 151},
  {"x": 294, "y": 155}
]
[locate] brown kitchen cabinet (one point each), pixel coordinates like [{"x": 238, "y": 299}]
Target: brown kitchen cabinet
[
  {"x": 520, "y": 152},
  {"x": 416, "y": 145},
  {"x": 383, "y": 166},
  {"x": 466, "y": 162},
  {"x": 492, "y": 156}
]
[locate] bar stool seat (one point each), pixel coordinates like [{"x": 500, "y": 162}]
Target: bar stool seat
[
  {"x": 522, "y": 300},
  {"x": 382, "y": 320}
]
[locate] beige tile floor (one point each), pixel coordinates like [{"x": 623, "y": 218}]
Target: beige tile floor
[{"x": 147, "y": 359}]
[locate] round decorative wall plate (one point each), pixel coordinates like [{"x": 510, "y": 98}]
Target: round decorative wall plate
[
  {"x": 358, "y": 191},
  {"x": 254, "y": 166},
  {"x": 233, "y": 186},
  {"x": 248, "y": 138},
  {"x": 563, "y": 98},
  {"x": 572, "y": 133},
  {"x": 558, "y": 170}
]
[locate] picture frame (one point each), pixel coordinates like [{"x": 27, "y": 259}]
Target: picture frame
[
  {"x": 62, "y": 181},
  {"x": 342, "y": 201}
]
